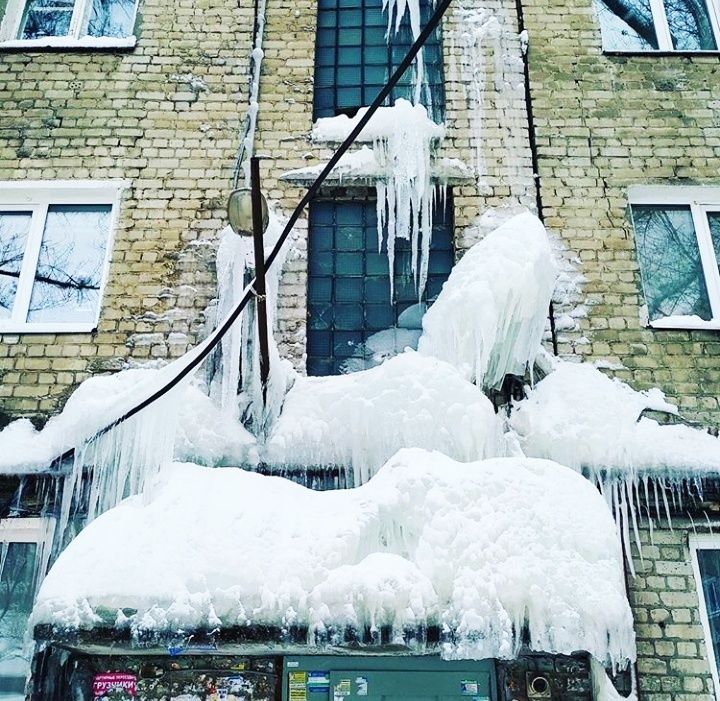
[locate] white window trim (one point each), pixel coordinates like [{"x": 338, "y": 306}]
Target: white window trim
[
  {"x": 705, "y": 541},
  {"x": 701, "y": 200},
  {"x": 37, "y": 196},
  {"x": 662, "y": 30},
  {"x": 76, "y": 38}
]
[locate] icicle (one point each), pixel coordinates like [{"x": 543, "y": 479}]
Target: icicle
[{"x": 253, "y": 108}]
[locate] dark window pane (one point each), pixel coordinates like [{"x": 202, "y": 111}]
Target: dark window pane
[
  {"x": 627, "y": 25},
  {"x": 348, "y": 263},
  {"x": 360, "y": 44},
  {"x": 355, "y": 304},
  {"x": 348, "y": 317},
  {"x": 709, "y": 565},
  {"x": 348, "y": 289},
  {"x": 70, "y": 265},
  {"x": 690, "y": 26},
  {"x": 379, "y": 316},
  {"x": 46, "y": 18},
  {"x": 112, "y": 18},
  {"x": 17, "y": 591},
  {"x": 320, "y": 316},
  {"x": 14, "y": 228},
  {"x": 669, "y": 260},
  {"x": 321, "y": 264},
  {"x": 320, "y": 289},
  {"x": 350, "y": 238}
]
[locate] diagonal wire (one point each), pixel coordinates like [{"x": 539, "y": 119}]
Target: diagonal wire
[{"x": 218, "y": 334}]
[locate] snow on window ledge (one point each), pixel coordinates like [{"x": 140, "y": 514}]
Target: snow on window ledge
[
  {"x": 67, "y": 42},
  {"x": 15, "y": 328},
  {"x": 685, "y": 323}
]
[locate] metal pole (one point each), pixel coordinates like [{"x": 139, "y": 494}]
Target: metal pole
[{"x": 261, "y": 305}]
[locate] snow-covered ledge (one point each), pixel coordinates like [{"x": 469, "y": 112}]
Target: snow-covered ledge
[
  {"x": 68, "y": 42},
  {"x": 363, "y": 168}
]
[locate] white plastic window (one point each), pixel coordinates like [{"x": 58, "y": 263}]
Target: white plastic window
[
  {"x": 705, "y": 551},
  {"x": 677, "y": 235},
  {"x": 54, "y": 249},
  {"x": 659, "y": 25},
  {"x": 24, "y": 544},
  {"x": 69, "y": 23}
]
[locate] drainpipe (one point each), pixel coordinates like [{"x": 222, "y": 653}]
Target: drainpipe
[{"x": 533, "y": 146}]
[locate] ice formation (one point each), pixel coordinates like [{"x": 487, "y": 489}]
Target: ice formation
[
  {"x": 239, "y": 349},
  {"x": 489, "y": 318},
  {"x": 427, "y": 541},
  {"x": 603, "y": 689},
  {"x": 491, "y": 65},
  {"x": 402, "y": 137},
  {"x": 357, "y": 421},
  {"x": 582, "y": 418}
]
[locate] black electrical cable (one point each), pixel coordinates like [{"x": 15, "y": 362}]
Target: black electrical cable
[{"x": 312, "y": 191}]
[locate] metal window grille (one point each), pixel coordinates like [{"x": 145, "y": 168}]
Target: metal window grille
[
  {"x": 349, "y": 280},
  {"x": 353, "y": 60}
]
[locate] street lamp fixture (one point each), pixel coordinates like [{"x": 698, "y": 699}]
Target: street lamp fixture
[{"x": 239, "y": 209}]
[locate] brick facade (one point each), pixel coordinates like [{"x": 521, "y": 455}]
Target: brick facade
[
  {"x": 139, "y": 115},
  {"x": 604, "y": 123},
  {"x": 672, "y": 659}
]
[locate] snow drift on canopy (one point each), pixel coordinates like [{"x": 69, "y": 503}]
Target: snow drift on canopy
[{"x": 478, "y": 548}]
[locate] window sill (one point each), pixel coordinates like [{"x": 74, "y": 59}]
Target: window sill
[
  {"x": 11, "y": 328},
  {"x": 685, "y": 323},
  {"x": 714, "y": 53},
  {"x": 70, "y": 43}
]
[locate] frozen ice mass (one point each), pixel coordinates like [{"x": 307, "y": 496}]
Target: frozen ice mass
[{"x": 427, "y": 541}]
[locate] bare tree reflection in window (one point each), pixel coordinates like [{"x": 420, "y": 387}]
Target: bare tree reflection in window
[
  {"x": 690, "y": 26},
  {"x": 627, "y": 25},
  {"x": 17, "y": 591},
  {"x": 70, "y": 265},
  {"x": 112, "y": 18},
  {"x": 46, "y": 18},
  {"x": 14, "y": 228},
  {"x": 670, "y": 264},
  {"x": 714, "y": 222}
]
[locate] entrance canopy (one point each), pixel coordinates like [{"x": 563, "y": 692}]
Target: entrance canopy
[{"x": 494, "y": 553}]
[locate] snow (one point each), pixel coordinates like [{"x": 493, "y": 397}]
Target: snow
[
  {"x": 68, "y": 42},
  {"x": 603, "y": 689},
  {"x": 588, "y": 421},
  {"x": 357, "y": 421},
  {"x": 489, "y": 317},
  {"x": 364, "y": 164},
  {"x": 427, "y": 541}
]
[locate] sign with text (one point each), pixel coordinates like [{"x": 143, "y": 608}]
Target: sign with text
[{"x": 114, "y": 685}]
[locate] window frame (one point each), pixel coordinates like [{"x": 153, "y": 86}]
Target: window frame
[
  {"x": 701, "y": 201},
  {"x": 705, "y": 541},
  {"x": 37, "y": 530},
  {"x": 36, "y": 197},
  {"x": 662, "y": 31},
  {"x": 75, "y": 38}
]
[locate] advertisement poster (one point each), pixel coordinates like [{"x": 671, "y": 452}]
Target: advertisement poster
[{"x": 114, "y": 686}]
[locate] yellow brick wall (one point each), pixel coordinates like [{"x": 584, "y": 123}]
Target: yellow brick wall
[
  {"x": 604, "y": 123},
  {"x": 131, "y": 114}
]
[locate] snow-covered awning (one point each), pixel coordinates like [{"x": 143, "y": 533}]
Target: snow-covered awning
[{"x": 484, "y": 550}]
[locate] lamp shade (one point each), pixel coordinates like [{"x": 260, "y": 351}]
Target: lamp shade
[{"x": 240, "y": 212}]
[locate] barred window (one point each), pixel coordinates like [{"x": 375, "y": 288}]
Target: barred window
[
  {"x": 353, "y": 323},
  {"x": 353, "y": 59}
]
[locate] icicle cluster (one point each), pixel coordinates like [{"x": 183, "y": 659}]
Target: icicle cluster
[
  {"x": 402, "y": 137},
  {"x": 490, "y": 52},
  {"x": 489, "y": 318}
]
